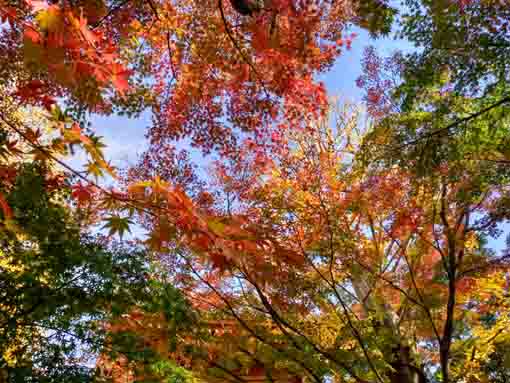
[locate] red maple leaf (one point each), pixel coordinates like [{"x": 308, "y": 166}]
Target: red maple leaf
[{"x": 82, "y": 193}]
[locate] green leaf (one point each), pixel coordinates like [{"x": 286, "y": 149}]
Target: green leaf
[{"x": 117, "y": 224}]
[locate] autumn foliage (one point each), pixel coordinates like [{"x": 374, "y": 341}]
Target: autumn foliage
[{"x": 321, "y": 242}]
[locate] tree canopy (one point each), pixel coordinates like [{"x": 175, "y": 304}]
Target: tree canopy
[{"x": 329, "y": 242}]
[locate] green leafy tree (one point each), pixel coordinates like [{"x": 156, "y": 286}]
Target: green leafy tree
[
  {"x": 59, "y": 287},
  {"x": 448, "y": 100}
]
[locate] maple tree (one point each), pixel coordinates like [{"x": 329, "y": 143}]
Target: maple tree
[
  {"x": 215, "y": 69},
  {"x": 57, "y": 284},
  {"x": 448, "y": 99},
  {"x": 320, "y": 250},
  {"x": 333, "y": 268},
  {"x": 469, "y": 38},
  {"x": 445, "y": 107},
  {"x": 60, "y": 283}
]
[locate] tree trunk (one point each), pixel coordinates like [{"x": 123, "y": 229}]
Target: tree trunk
[
  {"x": 398, "y": 357},
  {"x": 404, "y": 369}
]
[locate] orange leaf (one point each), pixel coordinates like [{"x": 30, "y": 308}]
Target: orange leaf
[
  {"x": 5, "y": 207},
  {"x": 119, "y": 77},
  {"x": 82, "y": 193},
  {"x": 76, "y": 130},
  {"x": 32, "y": 35},
  {"x": 138, "y": 189}
]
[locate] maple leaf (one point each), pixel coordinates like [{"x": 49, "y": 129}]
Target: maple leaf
[
  {"x": 138, "y": 189},
  {"x": 119, "y": 77},
  {"x": 216, "y": 226},
  {"x": 97, "y": 144},
  {"x": 94, "y": 147},
  {"x": 82, "y": 193},
  {"x": 161, "y": 234},
  {"x": 75, "y": 134},
  {"x": 58, "y": 146},
  {"x": 51, "y": 19},
  {"x": 9, "y": 148},
  {"x": 32, "y": 35},
  {"x": 117, "y": 224},
  {"x": 89, "y": 35},
  {"x": 94, "y": 169},
  {"x": 8, "y": 14}
]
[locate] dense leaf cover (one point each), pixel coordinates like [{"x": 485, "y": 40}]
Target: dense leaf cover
[{"x": 321, "y": 247}]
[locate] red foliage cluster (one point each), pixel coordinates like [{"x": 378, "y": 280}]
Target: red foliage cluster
[{"x": 378, "y": 79}]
